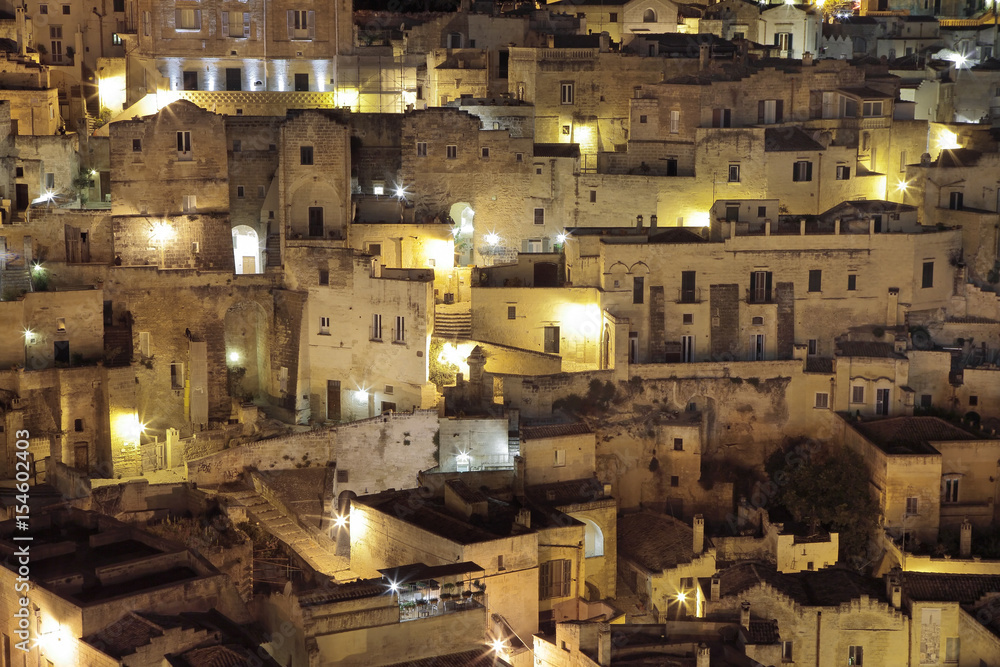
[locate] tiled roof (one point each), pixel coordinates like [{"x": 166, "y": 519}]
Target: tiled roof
[
  {"x": 565, "y": 493},
  {"x": 763, "y": 632},
  {"x": 655, "y": 541},
  {"x": 356, "y": 590},
  {"x": 125, "y": 635},
  {"x": 675, "y": 235},
  {"x": 819, "y": 365},
  {"x": 422, "y": 572},
  {"x": 865, "y": 348},
  {"x": 789, "y": 139},
  {"x": 553, "y": 430},
  {"x": 961, "y": 588},
  {"x": 466, "y": 492},
  {"x": 971, "y": 319},
  {"x": 910, "y": 435},
  {"x": 829, "y": 587},
  {"x": 480, "y": 657},
  {"x": 231, "y": 655}
]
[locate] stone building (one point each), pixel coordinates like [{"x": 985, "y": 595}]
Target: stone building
[{"x": 624, "y": 19}]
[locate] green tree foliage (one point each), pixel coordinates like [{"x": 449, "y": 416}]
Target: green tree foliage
[
  {"x": 830, "y": 489},
  {"x": 441, "y": 373}
]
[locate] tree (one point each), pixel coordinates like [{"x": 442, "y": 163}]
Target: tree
[{"x": 830, "y": 489}]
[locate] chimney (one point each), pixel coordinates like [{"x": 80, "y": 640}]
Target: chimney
[
  {"x": 652, "y": 222},
  {"x": 638, "y": 221},
  {"x": 836, "y": 227},
  {"x": 745, "y": 615},
  {"x": 605, "y": 41},
  {"x": 704, "y": 51},
  {"x": 550, "y": 41},
  {"x": 21, "y": 29},
  {"x": 604, "y": 647},
  {"x": 767, "y": 227},
  {"x": 716, "y": 590},
  {"x": 893, "y": 588},
  {"x": 704, "y": 656},
  {"x": 519, "y": 476},
  {"x": 698, "y": 539},
  {"x": 802, "y": 226},
  {"x": 807, "y": 59},
  {"x": 965, "y": 540}
]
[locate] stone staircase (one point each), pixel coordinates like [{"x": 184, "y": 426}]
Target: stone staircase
[
  {"x": 312, "y": 546},
  {"x": 452, "y": 322},
  {"x": 273, "y": 250},
  {"x": 117, "y": 345}
]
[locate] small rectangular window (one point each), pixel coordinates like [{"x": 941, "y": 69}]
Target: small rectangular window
[
  {"x": 761, "y": 211},
  {"x": 184, "y": 145},
  {"x": 539, "y": 216},
  {"x": 638, "y": 289},
  {"x": 558, "y": 458},
  {"x": 500, "y": 567},
  {"x": 856, "y": 656},
  {"x": 815, "y": 280},
  {"x": 50, "y": 181},
  {"x": 518, "y": 157},
  {"x": 389, "y": 389},
  {"x": 802, "y": 171},
  {"x": 66, "y": 9},
  {"x": 593, "y": 196},
  {"x": 566, "y": 93},
  {"x": 843, "y": 172},
  {"x": 324, "y": 277},
  {"x": 675, "y": 122},
  {"x": 399, "y": 332},
  {"x": 812, "y": 345},
  {"x": 858, "y": 394},
  {"x": 613, "y": 17},
  {"x": 950, "y": 490},
  {"x": 927, "y": 280},
  {"x": 376, "y": 327},
  {"x": 421, "y": 149},
  {"x": 852, "y": 282},
  {"x": 734, "y": 173},
  {"x": 240, "y": 192},
  {"x": 822, "y": 400},
  {"x": 78, "y": 425},
  {"x": 137, "y": 145},
  {"x": 688, "y": 318},
  {"x": 60, "y": 325},
  {"x": 551, "y": 340},
  {"x": 642, "y": 119},
  {"x": 678, "y": 444},
  {"x": 484, "y": 152},
  {"x": 305, "y": 155},
  {"x": 43, "y": 9},
  {"x": 973, "y": 401},
  {"x": 675, "y": 481},
  {"x": 511, "y": 312},
  {"x": 144, "y": 344},
  {"x": 951, "y": 651},
  {"x": 237, "y": 145},
  {"x": 911, "y": 506},
  {"x": 324, "y": 326},
  {"x": 176, "y": 376},
  {"x": 260, "y": 192},
  {"x": 342, "y": 477},
  {"x": 452, "y": 152}
]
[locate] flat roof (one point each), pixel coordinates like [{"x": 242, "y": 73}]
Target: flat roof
[{"x": 900, "y": 436}]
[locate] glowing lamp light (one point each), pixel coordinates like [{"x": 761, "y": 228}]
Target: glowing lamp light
[
  {"x": 161, "y": 232},
  {"x": 234, "y": 357},
  {"x": 561, "y": 238},
  {"x": 340, "y": 521},
  {"x": 48, "y": 195},
  {"x": 958, "y": 59},
  {"x": 361, "y": 395},
  {"x": 682, "y": 596},
  {"x": 36, "y": 268},
  {"x": 947, "y": 140},
  {"x": 29, "y": 335},
  {"x": 499, "y": 647},
  {"x": 393, "y": 586},
  {"x": 492, "y": 238},
  {"x": 902, "y": 186},
  {"x": 130, "y": 427},
  {"x": 93, "y": 172},
  {"x": 400, "y": 192}
]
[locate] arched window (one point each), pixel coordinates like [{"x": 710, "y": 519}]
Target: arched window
[
  {"x": 593, "y": 539},
  {"x": 649, "y": 16}
]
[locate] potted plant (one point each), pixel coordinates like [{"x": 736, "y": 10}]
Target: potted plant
[
  {"x": 448, "y": 593},
  {"x": 467, "y": 593}
]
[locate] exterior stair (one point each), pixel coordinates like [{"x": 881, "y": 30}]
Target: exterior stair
[
  {"x": 452, "y": 322},
  {"x": 15, "y": 281}
]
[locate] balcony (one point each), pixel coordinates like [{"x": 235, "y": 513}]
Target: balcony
[
  {"x": 419, "y": 601},
  {"x": 692, "y": 295},
  {"x": 758, "y": 298}
]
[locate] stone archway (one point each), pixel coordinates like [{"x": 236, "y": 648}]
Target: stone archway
[
  {"x": 247, "y": 250},
  {"x": 247, "y": 358}
]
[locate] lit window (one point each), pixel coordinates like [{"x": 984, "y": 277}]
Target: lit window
[{"x": 324, "y": 326}]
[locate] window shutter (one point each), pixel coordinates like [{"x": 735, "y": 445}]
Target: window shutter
[
  {"x": 180, "y": 142},
  {"x": 225, "y": 24},
  {"x": 777, "y": 39},
  {"x": 809, "y": 171},
  {"x": 760, "y": 112},
  {"x": 753, "y": 283},
  {"x": 546, "y": 244},
  {"x": 795, "y": 171},
  {"x": 246, "y": 25},
  {"x": 312, "y": 25},
  {"x": 779, "y": 109},
  {"x": 716, "y": 117},
  {"x": 790, "y": 35},
  {"x": 291, "y": 24},
  {"x": 767, "y": 286},
  {"x": 177, "y": 19}
]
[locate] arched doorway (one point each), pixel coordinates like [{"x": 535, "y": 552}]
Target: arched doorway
[
  {"x": 246, "y": 250},
  {"x": 593, "y": 539}
]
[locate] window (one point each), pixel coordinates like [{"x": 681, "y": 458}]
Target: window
[
  {"x": 511, "y": 312},
  {"x": 283, "y": 380},
  {"x": 301, "y": 24},
  {"x": 66, "y": 9},
  {"x": 688, "y": 287},
  {"x": 377, "y": 327},
  {"x": 237, "y": 146},
  {"x": 770, "y": 112},
  {"x": 593, "y": 196},
  {"x": 61, "y": 325},
  {"x": 553, "y": 579},
  {"x": 324, "y": 277},
  {"x": 500, "y": 567},
  {"x": 137, "y": 145},
  {"x": 822, "y": 400},
  {"x": 852, "y": 282},
  {"x": 189, "y": 203},
  {"x": 144, "y": 343},
  {"x": 187, "y": 19},
  {"x": 843, "y": 172},
  {"x": 260, "y": 191},
  {"x": 882, "y": 402},
  {"x": 518, "y": 157},
  {"x": 955, "y": 201},
  {"x": 342, "y": 476},
  {"x": 484, "y": 153},
  {"x": 240, "y": 192},
  {"x": 761, "y": 211},
  {"x": 638, "y": 289},
  {"x": 802, "y": 171},
  {"x": 722, "y": 118},
  {"x": 613, "y": 17},
  {"x": 678, "y": 444},
  {"x": 687, "y": 318},
  {"x": 421, "y": 149},
  {"x": 183, "y": 145},
  {"x": 389, "y": 389},
  {"x": 734, "y": 173},
  {"x": 558, "y": 458},
  {"x": 902, "y": 160},
  {"x": 566, "y": 93},
  {"x": 858, "y": 394},
  {"x": 760, "y": 287},
  {"x": 925, "y": 401},
  {"x": 973, "y": 401},
  {"x": 871, "y": 109},
  {"x": 855, "y": 656},
  {"x": 783, "y": 40},
  {"x": 551, "y": 341},
  {"x": 236, "y": 24},
  {"x": 451, "y": 152},
  {"x": 672, "y": 171},
  {"x": 911, "y": 506},
  {"x": 147, "y": 24},
  {"x": 649, "y": 16},
  {"x": 539, "y": 216},
  {"x": 116, "y": 39},
  {"x": 399, "y": 332},
  {"x": 950, "y": 490},
  {"x": 50, "y": 181},
  {"x": 927, "y": 279},
  {"x": 812, "y": 344},
  {"x": 951, "y": 651},
  {"x": 43, "y": 9},
  {"x": 176, "y": 376},
  {"x": 305, "y": 155},
  {"x": 78, "y": 425},
  {"x": 675, "y": 122},
  {"x": 324, "y": 326},
  {"x": 815, "y": 280},
  {"x": 786, "y": 651},
  {"x": 675, "y": 481}
]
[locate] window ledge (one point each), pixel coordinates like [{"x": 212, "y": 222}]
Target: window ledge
[
  {"x": 375, "y": 340},
  {"x": 323, "y": 333},
  {"x": 399, "y": 342}
]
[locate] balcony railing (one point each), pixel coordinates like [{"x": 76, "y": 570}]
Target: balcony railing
[
  {"x": 692, "y": 295},
  {"x": 415, "y": 607},
  {"x": 759, "y": 298}
]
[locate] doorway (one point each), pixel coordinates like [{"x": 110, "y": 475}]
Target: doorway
[
  {"x": 81, "y": 457},
  {"x": 333, "y": 400},
  {"x": 234, "y": 78}
]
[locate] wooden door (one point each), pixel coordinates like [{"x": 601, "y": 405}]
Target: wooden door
[
  {"x": 21, "y": 194},
  {"x": 250, "y": 264}
]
